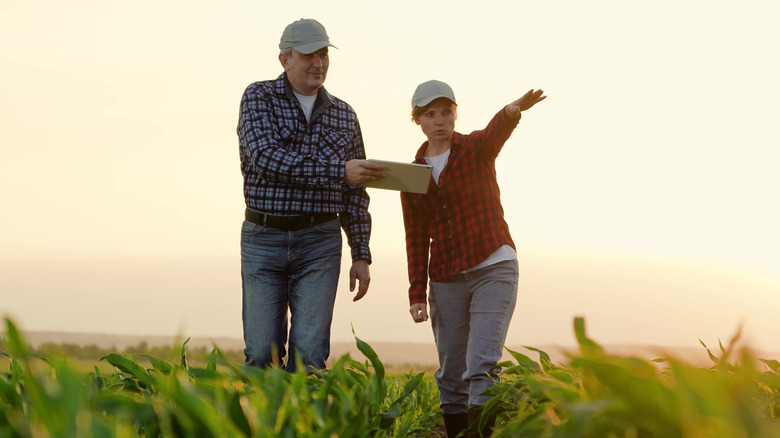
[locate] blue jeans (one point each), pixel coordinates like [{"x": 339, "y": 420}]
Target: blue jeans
[
  {"x": 298, "y": 270},
  {"x": 470, "y": 317}
]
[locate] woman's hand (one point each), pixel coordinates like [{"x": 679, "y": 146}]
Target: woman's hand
[
  {"x": 528, "y": 100},
  {"x": 419, "y": 312}
]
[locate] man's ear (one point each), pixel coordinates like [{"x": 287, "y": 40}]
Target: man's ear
[{"x": 283, "y": 60}]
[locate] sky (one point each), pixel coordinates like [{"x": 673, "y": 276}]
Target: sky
[{"x": 641, "y": 194}]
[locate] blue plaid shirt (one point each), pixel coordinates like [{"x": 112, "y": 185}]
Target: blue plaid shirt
[{"x": 292, "y": 167}]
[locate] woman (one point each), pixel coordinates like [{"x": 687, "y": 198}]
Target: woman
[{"x": 456, "y": 234}]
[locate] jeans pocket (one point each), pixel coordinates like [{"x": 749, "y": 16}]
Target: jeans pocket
[
  {"x": 333, "y": 226},
  {"x": 250, "y": 228}
]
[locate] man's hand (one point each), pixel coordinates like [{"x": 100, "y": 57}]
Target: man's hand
[
  {"x": 363, "y": 171},
  {"x": 528, "y": 100},
  {"x": 359, "y": 272},
  {"x": 419, "y": 312}
]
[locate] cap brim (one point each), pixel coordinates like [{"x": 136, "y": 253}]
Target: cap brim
[
  {"x": 427, "y": 100},
  {"x": 313, "y": 47}
]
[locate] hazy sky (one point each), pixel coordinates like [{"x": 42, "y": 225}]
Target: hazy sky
[{"x": 642, "y": 193}]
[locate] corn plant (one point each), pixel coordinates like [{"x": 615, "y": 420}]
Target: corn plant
[
  {"x": 154, "y": 397},
  {"x": 600, "y": 395},
  {"x": 594, "y": 394}
]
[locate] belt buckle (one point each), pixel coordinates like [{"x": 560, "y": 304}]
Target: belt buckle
[
  {"x": 295, "y": 223},
  {"x": 285, "y": 223}
]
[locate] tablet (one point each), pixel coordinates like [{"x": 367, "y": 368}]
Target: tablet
[{"x": 404, "y": 177}]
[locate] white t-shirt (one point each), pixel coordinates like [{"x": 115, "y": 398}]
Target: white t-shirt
[
  {"x": 307, "y": 103},
  {"x": 438, "y": 162}
]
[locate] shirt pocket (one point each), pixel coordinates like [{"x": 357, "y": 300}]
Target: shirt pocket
[{"x": 335, "y": 144}]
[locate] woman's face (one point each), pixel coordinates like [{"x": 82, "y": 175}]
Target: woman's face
[{"x": 438, "y": 122}]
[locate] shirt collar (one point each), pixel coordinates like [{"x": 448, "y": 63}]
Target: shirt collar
[{"x": 457, "y": 140}]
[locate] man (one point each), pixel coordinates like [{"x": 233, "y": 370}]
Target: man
[{"x": 303, "y": 163}]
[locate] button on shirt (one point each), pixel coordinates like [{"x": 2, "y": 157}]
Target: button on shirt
[
  {"x": 294, "y": 167},
  {"x": 460, "y": 221}
]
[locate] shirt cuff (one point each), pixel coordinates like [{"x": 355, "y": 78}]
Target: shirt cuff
[
  {"x": 361, "y": 252},
  {"x": 418, "y": 299},
  {"x": 417, "y": 295},
  {"x": 338, "y": 172}
]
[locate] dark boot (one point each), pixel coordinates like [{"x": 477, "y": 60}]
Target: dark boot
[
  {"x": 455, "y": 423},
  {"x": 487, "y": 427}
]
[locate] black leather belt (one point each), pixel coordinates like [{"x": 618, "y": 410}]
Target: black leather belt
[{"x": 287, "y": 223}]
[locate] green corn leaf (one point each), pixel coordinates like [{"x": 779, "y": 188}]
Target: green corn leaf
[
  {"x": 212, "y": 363},
  {"x": 183, "y": 354},
  {"x": 159, "y": 364},
  {"x": 724, "y": 356},
  {"x": 409, "y": 388},
  {"x": 204, "y": 373},
  {"x": 411, "y": 385},
  {"x": 709, "y": 353},
  {"x": 70, "y": 398},
  {"x": 99, "y": 428},
  {"x": 371, "y": 355},
  {"x": 387, "y": 418},
  {"x": 237, "y": 415},
  {"x": 377, "y": 387},
  {"x": 9, "y": 396},
  {"x": 736, "y": 337},
  {"x": 131, "y": 367},
  {"x": 772, "y": 364},
  {"x": 771, "y": 381},
  {"x": 16, "y": 345},
  {"x": 114, "y": 402},
  {"x": 524, "y": 362},
  {"x": 587, "y": 346},
  {"x": 544, "y": 358},
  {"x": 200, "y": 413}
]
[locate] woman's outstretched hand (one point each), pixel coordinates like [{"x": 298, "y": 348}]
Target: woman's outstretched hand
[{"x": 529, "y": 99}]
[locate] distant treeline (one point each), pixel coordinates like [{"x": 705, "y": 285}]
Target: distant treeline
[{"x": 93, "y": 353}]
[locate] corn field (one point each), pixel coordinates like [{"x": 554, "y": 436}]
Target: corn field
[{"x": 593, "y": 395}]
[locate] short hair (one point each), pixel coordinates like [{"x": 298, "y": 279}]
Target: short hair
[
  {"x": 420, "y": 110},
  {"x": 287, "y": 52}
]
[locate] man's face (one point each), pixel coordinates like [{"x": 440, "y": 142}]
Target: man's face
[
  {"x": 438, "y": 121},
  {"x": 306, "y": 73}
]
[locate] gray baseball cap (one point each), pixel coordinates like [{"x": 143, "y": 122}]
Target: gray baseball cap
[
  {"x": 305, "y": 35},
  {"x": 429, "y": 91}
]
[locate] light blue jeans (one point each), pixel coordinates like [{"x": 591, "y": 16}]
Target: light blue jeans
[
  {"x": 298, "y": 270},
  {"x": 470, "y": 316}
]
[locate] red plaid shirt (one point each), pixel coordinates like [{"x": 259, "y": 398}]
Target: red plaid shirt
[{"x": 460, "y": 221}]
